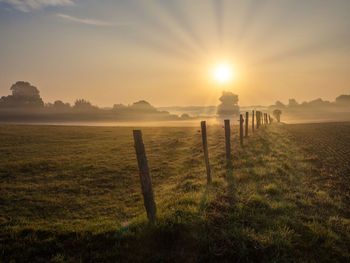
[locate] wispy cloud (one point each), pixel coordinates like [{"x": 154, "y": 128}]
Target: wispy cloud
[
  {"x": 28, "y": 5},
  {"x": 88, "y": 21}
]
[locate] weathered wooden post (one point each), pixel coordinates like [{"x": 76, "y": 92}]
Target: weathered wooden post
[
  {"x": 146, "y": 184},
  {"x": 241, "y": 128},
  {"x": 227, "y": 140},
  {"x": 205, "y": 150},
  {"x": 263, "y": 119},
  {"x": 270, "y": 118},
  {"x": 252, "y": 121},
  {"x": 246, "y": 123}
]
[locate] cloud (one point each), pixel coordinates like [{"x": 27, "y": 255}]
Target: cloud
[
  {"x": 28, "y": 5},
  {"x": 87, "y": 21}
]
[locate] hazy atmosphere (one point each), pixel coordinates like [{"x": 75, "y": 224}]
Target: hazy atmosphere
[
  {"x": 163, "y": 51},
  {"x": 174, "y": 131}
]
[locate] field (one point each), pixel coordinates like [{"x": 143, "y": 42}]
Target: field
[{"x": 72, "y": 194}]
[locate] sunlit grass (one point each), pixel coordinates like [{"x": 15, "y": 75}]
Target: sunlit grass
[{"x": 67, "y": 191}]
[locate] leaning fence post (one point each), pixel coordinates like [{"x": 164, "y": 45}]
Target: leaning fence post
[
  {"x": 227, "y": 140},
  {"x": 253, "y": 122},
  {"x": 258, "y": 119},
  {"x": 145, "y": 178},
  {"x": 205, "y": 150},
  {"x": 246, "y": 123},
  {"x": 241, "y": 128}
]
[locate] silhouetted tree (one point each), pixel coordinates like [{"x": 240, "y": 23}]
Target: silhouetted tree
[
  {"x": 119, "y": 107},
  {"x": 142, "y": 106},
  {"x": 343, "y": 100},
  {"x": 84, "y": 105},
  {"x": 293, "y": 103},
  {"x": 23, "y": 95},
  {"x": 60, "y": 105},
  {"x": 229, "y": 104},
  {"x": 277, "y": 114},
  {"x": 279, "y": 104}
]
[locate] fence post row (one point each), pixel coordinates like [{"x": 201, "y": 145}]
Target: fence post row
[
  {"x": 227, "y": 139},
  {"x": 205, "y": 150},
  {"x": 146, "y": 184}
]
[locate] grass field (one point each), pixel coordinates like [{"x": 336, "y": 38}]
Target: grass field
[{"x": 72, "y": 194}]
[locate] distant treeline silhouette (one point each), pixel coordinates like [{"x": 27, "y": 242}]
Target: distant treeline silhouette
[
  {"x": 25, "y": 104},
  {"x": 316, "y": 110}
]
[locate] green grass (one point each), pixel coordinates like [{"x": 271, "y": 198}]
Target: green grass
[{"x": 66, "y": 194}]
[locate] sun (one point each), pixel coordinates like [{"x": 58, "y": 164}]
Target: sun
[{"x": 223, "y": 73}]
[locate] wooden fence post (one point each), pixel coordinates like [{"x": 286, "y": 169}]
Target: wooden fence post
[
  {"x": 258, "y": 119},
  {"x": 241, "y": 128},
  {"x": 227, "y": 140},
  {"x": 252, "y": 121},
  {"x": 205, "y": 150},
  {"x": 246, "y": 123},
  {"x": 263, "y": 119},
  {"x": 145, "y": 178}
]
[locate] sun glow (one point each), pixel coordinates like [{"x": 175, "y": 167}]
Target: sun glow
[{"x": 223, "y": 73}]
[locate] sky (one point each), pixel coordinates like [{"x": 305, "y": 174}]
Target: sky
[{"x": 164, "y": 51}]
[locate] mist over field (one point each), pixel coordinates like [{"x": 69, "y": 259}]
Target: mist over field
[{"x": 25, "y": 105}]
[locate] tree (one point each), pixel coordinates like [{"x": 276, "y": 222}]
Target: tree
[
  {"x": 277, "y": 114},
  {"x": 279, "y": 104},
  {"x": 229, "y": 104},
  {"x": 292, "y": 103},
  {"x": 84, "y": 105},
  {"x": 23, "y": 88},
  {"x": 343, "y": 100},
  {"x": 23, "y": 95},
  {"x": 142, "y": 106}
]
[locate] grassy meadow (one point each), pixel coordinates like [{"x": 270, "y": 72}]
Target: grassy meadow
[{"x": 72, "y": 194}]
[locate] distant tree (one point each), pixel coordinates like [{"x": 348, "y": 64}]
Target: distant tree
[
  {"x": 143, "y": 106},
  {"x": 229, "y": 104},
  {"x": 118, "y": 107},
  {"x": 318, "y": 103},
  {"x": 279, "y": 104},
  {"x": 83, "y": 105},
  {"x": 23, "y": 95},
  {"x": 343, "y": 100},
  {"x": 277, "y": 114},
  {"x": 185, "y": 116},
  {"x": 23, "y": 88},
  {"x": 60, "y": 105},
  {"x": 293, "y": 103}
]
